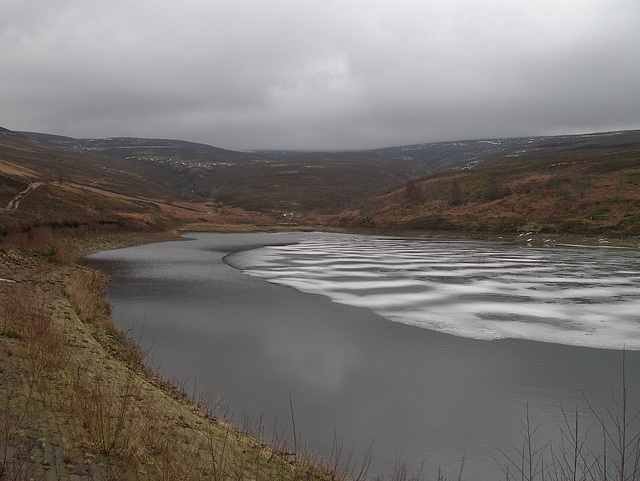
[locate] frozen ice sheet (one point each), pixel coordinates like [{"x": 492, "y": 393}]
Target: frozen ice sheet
[{"x": 568, "y": 295}]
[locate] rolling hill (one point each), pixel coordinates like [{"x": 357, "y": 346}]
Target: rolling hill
[
  {"x": 586, "y": 184},
  {"x": 577, "y": 183},
  {"x": 287, "y": 181},
  {"x": 56, "y": 186}
]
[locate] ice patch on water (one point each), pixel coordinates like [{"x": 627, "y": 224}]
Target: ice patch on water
[{"x": 585, "y": 297}]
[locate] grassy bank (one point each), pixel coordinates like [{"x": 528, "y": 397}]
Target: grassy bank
[{"x": 78, "y": 399}]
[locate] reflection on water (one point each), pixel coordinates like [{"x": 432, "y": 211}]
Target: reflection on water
[
  {"x": 576, "y": 296},
  {"x": 412, "y": 392}
]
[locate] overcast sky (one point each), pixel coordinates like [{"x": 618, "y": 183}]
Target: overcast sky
[{"x": 319, "y": 74}]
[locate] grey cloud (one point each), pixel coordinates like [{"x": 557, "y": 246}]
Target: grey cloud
[{"x": 319, "y": 74}]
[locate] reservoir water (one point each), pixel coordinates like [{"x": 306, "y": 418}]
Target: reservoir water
[{"x": 422, "y": 350}]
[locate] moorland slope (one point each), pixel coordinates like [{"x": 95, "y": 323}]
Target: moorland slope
[
  {"x": 44, "y": 185},
  {"x": 575, "y": 185}
]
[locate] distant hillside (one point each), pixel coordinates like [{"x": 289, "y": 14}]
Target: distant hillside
[
  {"x": 577, "y": 184},
  {"x": 376, "y": 171},
  {"x": 45, "y": 185},
  {"x": 568, "y": 145},
  {"x": 424, "y": 159},
  {"x": 176, "y": 153},
  {"x": 251, "y": 180},
  {"x": 330, "y": 181}
]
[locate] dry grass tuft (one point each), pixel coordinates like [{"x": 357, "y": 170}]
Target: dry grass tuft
[
  {"x": 36, "y": 239},
  {"x": 85, "y": 291},
  {"x": 55, "y": 245}
]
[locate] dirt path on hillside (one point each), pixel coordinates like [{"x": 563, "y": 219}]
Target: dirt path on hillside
[{"x": 13, "y": 204}]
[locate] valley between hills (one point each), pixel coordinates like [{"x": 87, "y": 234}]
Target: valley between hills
[
  {"x": 78, "y": 399},
  {"x": 577, "y": 185}
]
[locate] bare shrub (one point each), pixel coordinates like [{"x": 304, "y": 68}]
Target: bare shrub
[
  {"x": 455, "y": 193},
  {"x": 572, "y": 458},
  {"x": 15, "y": 455},
  {"x": 36, "y": 239},
  {"x": 14, "y": 310},
  {"x": 85, "y": 290},
  {"x": 61, "y": 253},
  {"x": 27, "y": 315},
  {"x": 413, "y": 191},
  {"x": 495, "y": 189},
  {"x": 109, "y": 412}
]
